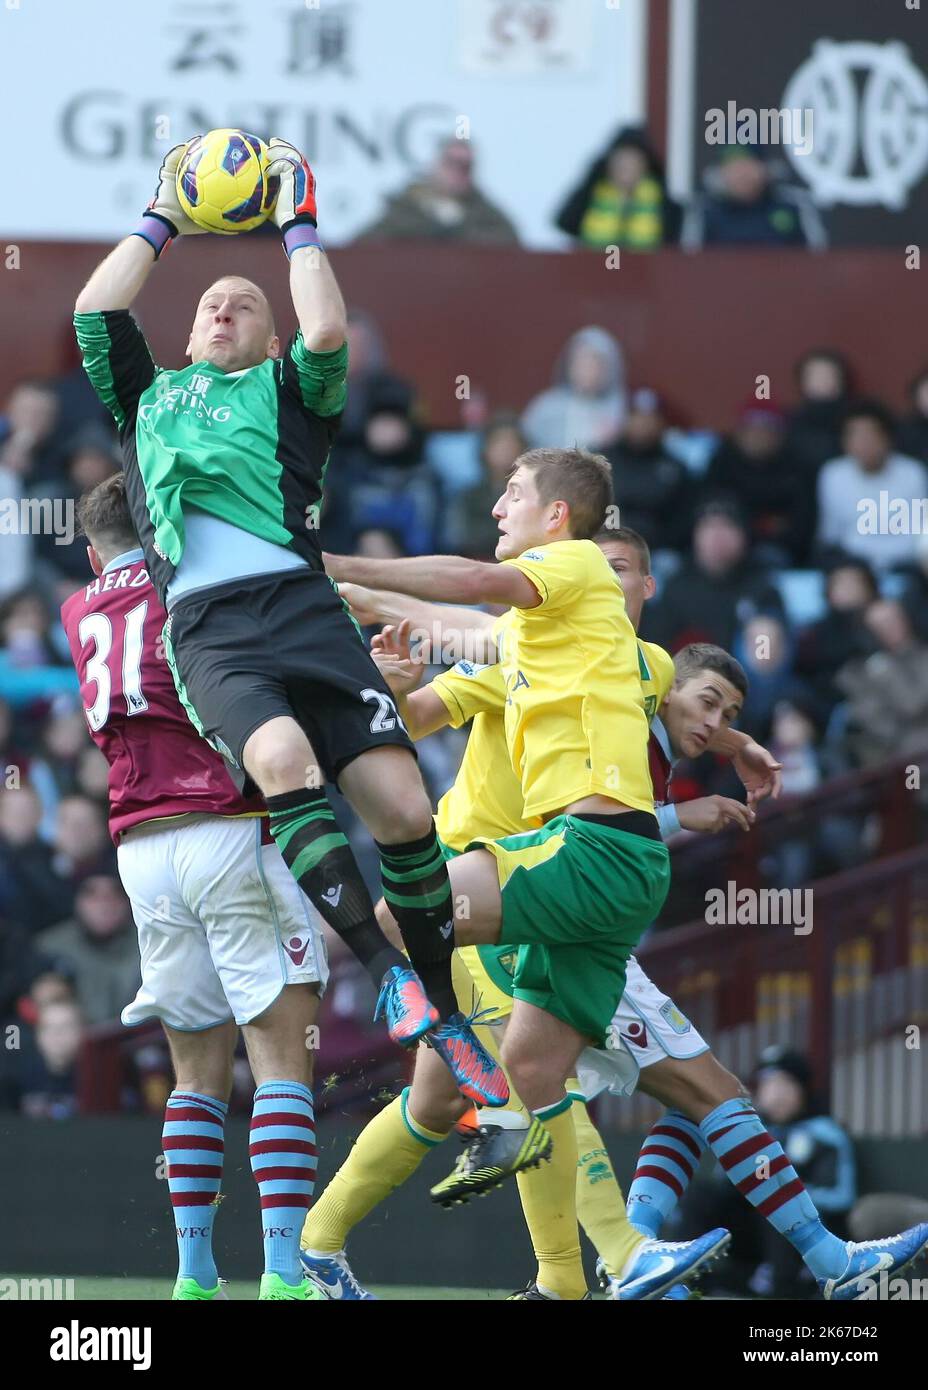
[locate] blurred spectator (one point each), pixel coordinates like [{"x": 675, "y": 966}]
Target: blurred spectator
[
  {"x": 746, "y": 205},
  {"x": 369, "y": 378},
  {"x": 78, "y": 403},
  {"x": 841, "y": 635},
  {"x": 444, "y": 205},
  {"x": 53, "y": 771},
  {"x": 16, "y": 546},
  {"x": 28, "y": 450},
  {"x": 764, "y": 646},
  {"x": 816, "y": 424},
  {"x": 793, "y": 738},
  {"x": 384, "y": 482},
  {"x": 98, "y": 947},
  {"x": 30, "y": 667},
  {"x": 45, "y": 1077},
  {"x": 622, "y": 200},
  {"x": 862, "y": 494},
  {"x": 471, "y": 528},
  {"x": 94, "y": 455},
  {"x": 377, "y": 543},
  {"x": 912, "y": 434},
  {"x": 82, "y": 842},
  {"x": 756, "y": 465},
  {"x": 21, "y": 967},
  {"x": 914, "y": 594},
  {"x": 717, "y": 590},
  {"x": 32, "y": 894},
  {"x": 586, "y": 406},
  {"x": 91, "y": 775},
  {"x": 887, "y": 693},
  {"x": 29, "y": 445},
  {"x": 14, "y": 760},
  {"x": 652, "y": 487}
]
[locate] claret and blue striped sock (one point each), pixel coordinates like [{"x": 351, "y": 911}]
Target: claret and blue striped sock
[
  {"x": 753, "y": 1160},
  {"x": 193, "y": 1145},
  {"x": 668, "y": 1159},
  {"x": 283, "y": 1159}
]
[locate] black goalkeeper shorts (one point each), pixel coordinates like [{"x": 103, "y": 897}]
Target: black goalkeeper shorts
[{"x": 248, "y": 651}]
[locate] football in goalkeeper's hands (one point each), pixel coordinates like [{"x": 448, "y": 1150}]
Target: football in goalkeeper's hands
[{"x": 222, "y": 181}]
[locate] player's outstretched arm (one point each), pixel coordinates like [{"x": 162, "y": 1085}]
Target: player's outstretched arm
[
  {"x": 318, "y": 302},
  {"x": 444, "y": 578},
  {"x": 118, "y": 279},
  {"x": 435, "y": 625}
]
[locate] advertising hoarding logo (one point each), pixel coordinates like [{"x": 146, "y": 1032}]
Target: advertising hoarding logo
[{"x": 871, "y": 140}]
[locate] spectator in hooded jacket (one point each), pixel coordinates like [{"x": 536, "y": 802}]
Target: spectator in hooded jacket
[
  {"x": 586, "y": 405},
  {"x": 622, "y": 200}
]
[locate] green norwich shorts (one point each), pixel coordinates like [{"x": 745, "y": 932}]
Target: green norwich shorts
[{"x": 577, "y": 896}]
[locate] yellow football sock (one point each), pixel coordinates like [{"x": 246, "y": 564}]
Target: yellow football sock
[
  {"x": 549, "y": 1201},
  {"x": 492, "y": 1040},
  {"x": 600, "y": 1204},
  {"x": 385, "y": 1154}
]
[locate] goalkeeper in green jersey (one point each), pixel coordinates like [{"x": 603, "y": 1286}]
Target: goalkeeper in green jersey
[{"x": 225, "y": 460}]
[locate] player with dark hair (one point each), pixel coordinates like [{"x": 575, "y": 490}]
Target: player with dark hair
[
  {"x": 225, "y": 461},
  {"x": 575, "y": 894},
  {"x": 226, "y": 937}
]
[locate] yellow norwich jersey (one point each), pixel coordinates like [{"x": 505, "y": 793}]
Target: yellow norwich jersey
[
  {"x": 486, "y": 798},
  {"x": 575, "y": 711},
  {"x": 655, "y": 667}
]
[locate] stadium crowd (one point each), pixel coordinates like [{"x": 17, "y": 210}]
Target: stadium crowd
[
  {"x": 757, "y": 544},
  {"x": 746, "y": 199}
]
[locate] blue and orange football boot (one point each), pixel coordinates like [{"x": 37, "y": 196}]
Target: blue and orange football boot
[
  {"x": 477, "y": 1076},
  {"x": 405, "y": 1005}
]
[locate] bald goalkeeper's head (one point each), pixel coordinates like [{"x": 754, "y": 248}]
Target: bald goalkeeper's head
[{"x": 233, "y": 327}]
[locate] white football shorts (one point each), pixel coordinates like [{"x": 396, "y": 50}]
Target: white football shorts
[
  {"x": 223, "y": 925},
  {"x": 647, "y": 1027}
]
